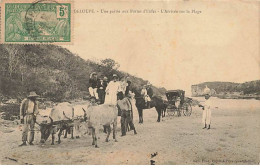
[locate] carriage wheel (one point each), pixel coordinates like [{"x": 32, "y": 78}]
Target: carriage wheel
[
  {"x": 179, "y": 112},
  {"x": 186, "y": 109},
  {"x": 170, "y": 112}
]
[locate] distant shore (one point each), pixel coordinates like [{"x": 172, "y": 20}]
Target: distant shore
[{"x": 230, "y": 96}]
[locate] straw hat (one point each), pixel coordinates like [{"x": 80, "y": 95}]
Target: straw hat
[
  {"x": 115, "y": 76},
  {"x": 33, "y": 94},
  {"x": 92, "y": 97}
]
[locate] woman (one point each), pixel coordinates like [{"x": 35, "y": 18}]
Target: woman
[{"x": 112, "y": 89}]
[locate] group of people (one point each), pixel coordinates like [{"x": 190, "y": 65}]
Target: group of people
[
  {"x": 115, "y": 93},
  {"x": 103, "y": 92},
  {"x": 106, "y": 92}
]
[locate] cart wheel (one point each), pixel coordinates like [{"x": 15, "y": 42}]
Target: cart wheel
[
  {"x": 179, "y": 112},
  {"x": 187, "y": 109}
]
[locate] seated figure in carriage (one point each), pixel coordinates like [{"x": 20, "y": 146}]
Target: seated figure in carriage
[{"x": 177, "y": 102}]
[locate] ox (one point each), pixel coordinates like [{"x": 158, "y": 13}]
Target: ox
[
  {"x": 99, "y": 116},
  {"x": 60, "y": 118}
]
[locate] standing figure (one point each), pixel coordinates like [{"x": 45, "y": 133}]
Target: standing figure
[
  {"x": 28, "y": 111},
  {"x": 102, "y": 85},
  {"x": 112, "y": 89},
  {"x": 125, "y": 106},
  {"x": 128, "y": 87},
  {"x": 149, "y": 93},
  {"x": 206, "y": 117},
  {"x": 123, "y": 85},
  {"x": 93, "y": 82}
]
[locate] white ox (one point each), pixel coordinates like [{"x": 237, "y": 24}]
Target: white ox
[
  {"x": 99, "y": 116},
  {"x": 60, "y": 118},
  {"x": 79, "y": 119}
]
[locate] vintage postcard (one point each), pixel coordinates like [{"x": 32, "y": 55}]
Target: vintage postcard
[{"x": 86, "y": 82}]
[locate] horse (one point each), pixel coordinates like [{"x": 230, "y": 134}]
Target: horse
[{"x": 156, "y": 102}]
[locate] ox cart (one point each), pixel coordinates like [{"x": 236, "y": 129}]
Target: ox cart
[{"x": 178, "y": 103}]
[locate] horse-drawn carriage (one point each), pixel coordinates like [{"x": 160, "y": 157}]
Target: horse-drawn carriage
[{"x": 178, "y": 103}]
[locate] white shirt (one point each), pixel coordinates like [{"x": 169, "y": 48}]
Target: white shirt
[
  {"x": 30, "y": 106},
  {"x": 113, "y": 87},
  {"x": 144, "y": 92},
  {"x": 207, "y": 104}
]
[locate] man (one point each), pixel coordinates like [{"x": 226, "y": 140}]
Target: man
[
  {"x": 102, "y": 84},
  {"x": 92, "y": 102},
  {"x": 125, "y": 106},
  {"x": 128, "y": 87},
  {"x": 111, "y": 91},
  {"x": 28, "y": 111},
  {"x": 149, "y": 93},
  {"x": 93, "y": 82},
  {"x": 123, "y": 85},
  {"x": 206, "y": 116}
]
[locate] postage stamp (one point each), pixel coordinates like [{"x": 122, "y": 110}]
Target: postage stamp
[{"x": 42, "y": 21}]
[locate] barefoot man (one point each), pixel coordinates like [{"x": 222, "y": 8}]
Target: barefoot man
[
  {"x": 206, "y": 116},
  {"x": 28, "y": 112}
]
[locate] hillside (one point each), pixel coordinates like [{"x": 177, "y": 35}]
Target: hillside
[
  {"x": 247, "y": 89},
  {"x": 52, "y": 71}
]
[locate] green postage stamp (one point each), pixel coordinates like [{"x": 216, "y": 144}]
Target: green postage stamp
[{"x": 42, "y": 21}]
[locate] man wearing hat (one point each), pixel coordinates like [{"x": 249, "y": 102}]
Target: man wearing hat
[
  {"x": 102, "y": 85},
  {"x": 206, "y": 116},
  {"x": 128, "y": 87},
  {"x": 28, "y": 111},
  {"x": 112, "y": 89}
]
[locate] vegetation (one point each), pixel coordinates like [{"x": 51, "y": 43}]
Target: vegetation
[
  {"x": 53, "y": 72},
  {"x": 252, "y": 87}
]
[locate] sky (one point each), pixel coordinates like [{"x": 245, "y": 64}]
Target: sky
[{"x": 173, "y": 50}]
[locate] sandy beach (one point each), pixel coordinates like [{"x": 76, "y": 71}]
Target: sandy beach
[{"x": 233, "y": 139}]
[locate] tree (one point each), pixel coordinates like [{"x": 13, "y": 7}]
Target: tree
[
  {"x": 109, "y": 63},
  {"x": 109, "y": 66},
  {"x": 13, "y": 60}
]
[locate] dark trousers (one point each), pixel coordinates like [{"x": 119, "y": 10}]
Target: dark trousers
[
  {"x": 126, "y": 119},
  {"x": 101, "y": 95}
]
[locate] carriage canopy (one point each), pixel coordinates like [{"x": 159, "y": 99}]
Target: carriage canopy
[{"x": 172, "y": 95}]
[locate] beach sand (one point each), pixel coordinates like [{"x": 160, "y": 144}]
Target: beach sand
[{"x": 232, "y": 139}]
